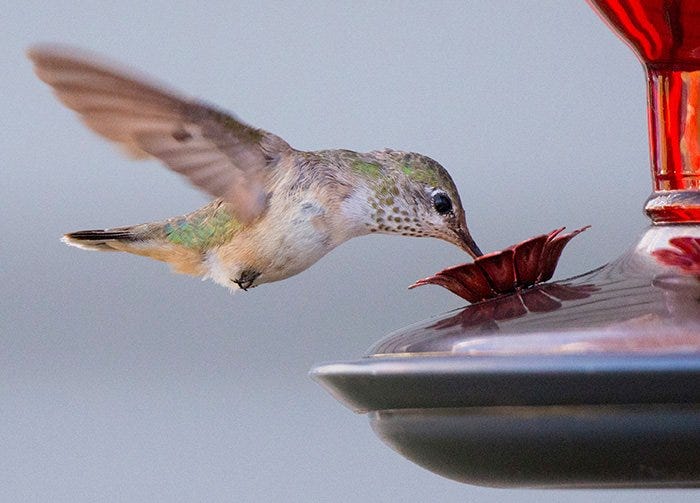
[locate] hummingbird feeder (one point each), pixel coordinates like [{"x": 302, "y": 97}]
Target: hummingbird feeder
[{"x": 592, "y": 381}]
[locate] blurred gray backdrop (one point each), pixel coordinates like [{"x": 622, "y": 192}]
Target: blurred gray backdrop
[{"x": 122, "y": 382}]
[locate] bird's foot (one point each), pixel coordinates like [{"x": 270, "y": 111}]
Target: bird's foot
[{"x": 246, "y": 279}]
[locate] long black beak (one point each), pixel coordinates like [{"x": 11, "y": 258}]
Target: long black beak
[{"x": 468, "y": 245}]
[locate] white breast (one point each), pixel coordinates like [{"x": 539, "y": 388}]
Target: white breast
[{"x": 289, "y": 239}]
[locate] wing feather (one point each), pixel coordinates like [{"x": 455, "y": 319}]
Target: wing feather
[{"x": 214, "y": 150}]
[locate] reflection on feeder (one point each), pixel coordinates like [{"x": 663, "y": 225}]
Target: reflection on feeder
[
  {"x": 686, "y": 256},
  {"x": 538, "y": 299}
]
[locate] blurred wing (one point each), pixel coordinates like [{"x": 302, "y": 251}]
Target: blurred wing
[{"x": 214, "y": 150}]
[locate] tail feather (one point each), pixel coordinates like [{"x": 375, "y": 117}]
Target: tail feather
[
  {"x": 145, "y": 240},
  {"x": 101, "y": 240}
]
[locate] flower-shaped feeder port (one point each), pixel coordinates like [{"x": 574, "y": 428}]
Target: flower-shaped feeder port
[{"x": 504, "y": 272}]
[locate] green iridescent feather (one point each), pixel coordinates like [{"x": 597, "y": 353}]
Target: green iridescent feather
[
  {"x": 202, "y": 230},
  {"x": 371, "y": 169},
  {"x": 425, "y": 173}
]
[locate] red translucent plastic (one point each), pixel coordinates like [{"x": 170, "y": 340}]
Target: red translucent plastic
[{"x": 665, "y": 35}]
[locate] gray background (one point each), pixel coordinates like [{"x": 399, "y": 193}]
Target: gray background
[{"x": 121, "y": 381}]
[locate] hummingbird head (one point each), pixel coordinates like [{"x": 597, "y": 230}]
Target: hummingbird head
[{"x": 413, "y": 195}]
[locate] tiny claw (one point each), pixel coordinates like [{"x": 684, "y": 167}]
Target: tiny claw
[{"x": 246, "y": 279}]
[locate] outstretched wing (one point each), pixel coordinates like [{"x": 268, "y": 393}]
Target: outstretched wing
[{"x": 214, "y": 150}]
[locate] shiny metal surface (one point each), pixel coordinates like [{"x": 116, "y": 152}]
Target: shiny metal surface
[
  {"x": 601, "y": 446},
  {"x": 428, "y": 382}
]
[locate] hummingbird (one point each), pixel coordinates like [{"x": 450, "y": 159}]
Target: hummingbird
[{"x": 275, "y": 210}]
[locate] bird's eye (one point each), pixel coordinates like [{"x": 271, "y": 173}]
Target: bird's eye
[{"x": 442, "y": 203}]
